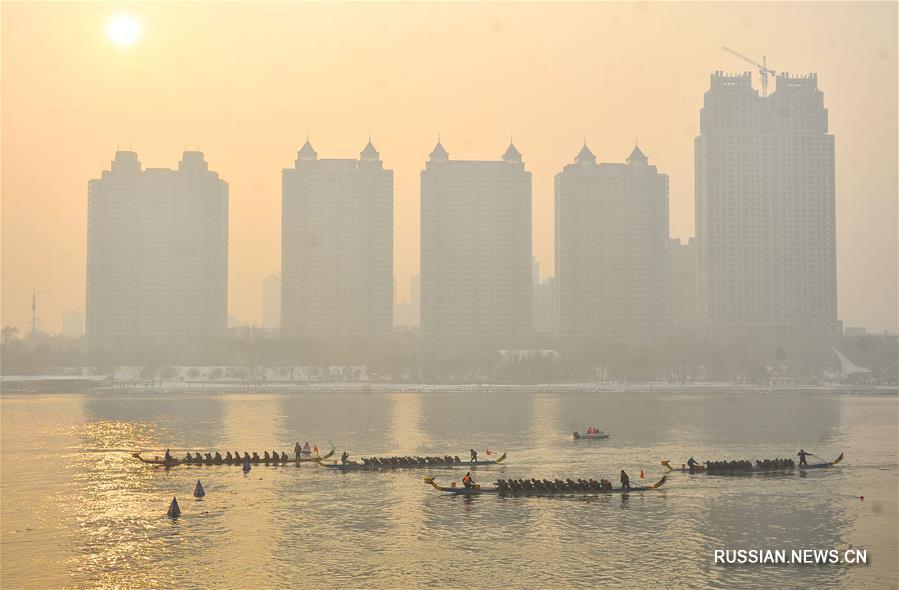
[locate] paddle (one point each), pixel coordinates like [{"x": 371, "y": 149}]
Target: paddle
[{"x": 817, "y": 457}]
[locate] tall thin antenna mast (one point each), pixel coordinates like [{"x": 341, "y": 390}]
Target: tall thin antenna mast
[{"x": 34, "y": 319}]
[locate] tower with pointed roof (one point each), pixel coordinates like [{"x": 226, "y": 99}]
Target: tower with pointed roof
[
  {"x": 512, "y": 155},
  {"x": 157, "y": 257},
  {"x": 475, "y": 251},
  {"x": 585, "y": 156},
  {"x": 611, "y": 242},
  {"x": 439, "y": 154},
  {"x": 337, "y": 248}
]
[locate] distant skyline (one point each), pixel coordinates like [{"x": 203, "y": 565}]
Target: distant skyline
[{"x": 247, "y": 85}]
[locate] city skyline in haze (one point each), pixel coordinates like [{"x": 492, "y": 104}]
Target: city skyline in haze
[{"x": 249, "y": 87}]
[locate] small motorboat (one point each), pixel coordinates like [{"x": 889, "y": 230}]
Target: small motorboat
[{"x": 596, "y": 435}]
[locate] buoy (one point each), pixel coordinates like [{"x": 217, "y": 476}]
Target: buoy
[
  {"x": 642, "y": 475},
  {"x": 246, "y": 464},
  {"x": 199, "y": 492},
  {"x": 862, "y": 498},
  {"x": 174, "y": 510}
]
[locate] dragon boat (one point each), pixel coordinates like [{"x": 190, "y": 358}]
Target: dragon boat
[
  {"x": 234, "y": 461},
  {"x": 752, "y": 470},
  {"x": 376, "y": 463},
  {"x": 566, "y": 490}
]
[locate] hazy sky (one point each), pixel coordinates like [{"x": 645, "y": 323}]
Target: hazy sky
[{"x": 248, "y": 80}]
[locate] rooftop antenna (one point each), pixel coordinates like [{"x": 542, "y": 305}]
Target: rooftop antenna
[{"x": 763, "y": 68}]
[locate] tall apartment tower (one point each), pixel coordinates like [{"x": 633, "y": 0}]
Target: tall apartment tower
[
  {"x": 682, "y": 285},
  {"x": 157, "y": 254},
  {"x": 765, "y": 220},
  {"x": 475, "y": 250},
  {"x": 337, "y": 247},
  {"x": 611, "y": 250}
]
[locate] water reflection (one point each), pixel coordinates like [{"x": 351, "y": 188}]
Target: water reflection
[{"x": 96, "y": 518}]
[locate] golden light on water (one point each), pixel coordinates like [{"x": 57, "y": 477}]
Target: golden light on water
[{"x": 123, "y": 30}]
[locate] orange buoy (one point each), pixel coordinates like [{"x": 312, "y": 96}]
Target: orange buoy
[{"x": 642, "y": 475}]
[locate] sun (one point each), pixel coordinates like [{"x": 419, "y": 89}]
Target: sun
[{"x": 123, "y": 30}]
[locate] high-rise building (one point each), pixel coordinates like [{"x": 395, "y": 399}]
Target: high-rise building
[
  {"x": 611, "y": 247},
  {"x": 407, "y": 315},
  {"x": 271, "y": 302},
  {"x": 546, "y": 304},
  {"x": 337, "y": 247},
  {"x": 682, "y": 285},
  {"x": 765, "y": 218},
  {"x": 157, "y": 254},
  {"x": 475, "y": 250}
]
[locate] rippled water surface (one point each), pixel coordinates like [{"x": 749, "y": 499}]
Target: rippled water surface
[{"x": 79, "y": 511}]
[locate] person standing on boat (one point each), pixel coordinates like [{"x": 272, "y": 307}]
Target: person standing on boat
[
  {"x": 474, "y": 455},
  {"x": 467, "y": 481},
  {"x": 344, "y": 458},
  {"x": 801, "y": 454},
  {"x": 692, "y": 464},
  {"x": 297, "y": 450},
  {"x": 625, "y": 480},
  {"x": 306, "y": 448}
]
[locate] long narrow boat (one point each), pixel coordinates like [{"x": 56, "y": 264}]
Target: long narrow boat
[
  {"x": 234, "y": 462},
  {"x": 478, "y": 490},
  {"x": 701, "y": 469},
  {"x": 357, "y": 466}
]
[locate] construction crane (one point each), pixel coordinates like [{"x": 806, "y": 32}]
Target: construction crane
[{"x": 763, "y": 68}]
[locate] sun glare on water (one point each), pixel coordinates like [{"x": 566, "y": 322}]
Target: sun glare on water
[{"x": 123, "y": 30}]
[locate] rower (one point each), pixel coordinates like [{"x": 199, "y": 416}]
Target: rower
[
  {"x": 692, "y": 463},
  {"x": 276, "y": 456},
  {"x": 467, "y": 481},
  {"x": 283, "y": 457},
  {"x": 228, "y": 457},
  {"x": 265, "y": 457},
  {"x": 625, "y": 480},
  {"x": 344, "y": 458},
  {"x": 168, "y": 455},
  {"x": 187, "y": 458},
  {"x": 801, "y": 454},
  {"x": 474, "y": 455}
]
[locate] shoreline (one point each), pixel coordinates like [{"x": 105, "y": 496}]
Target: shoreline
[{"x": 486, "y": 388}]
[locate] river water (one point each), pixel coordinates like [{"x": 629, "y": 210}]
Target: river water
[{"x": 79, "y": 511}]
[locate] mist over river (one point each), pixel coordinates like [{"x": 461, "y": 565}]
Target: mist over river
[{"x": 79, "y": 511}]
